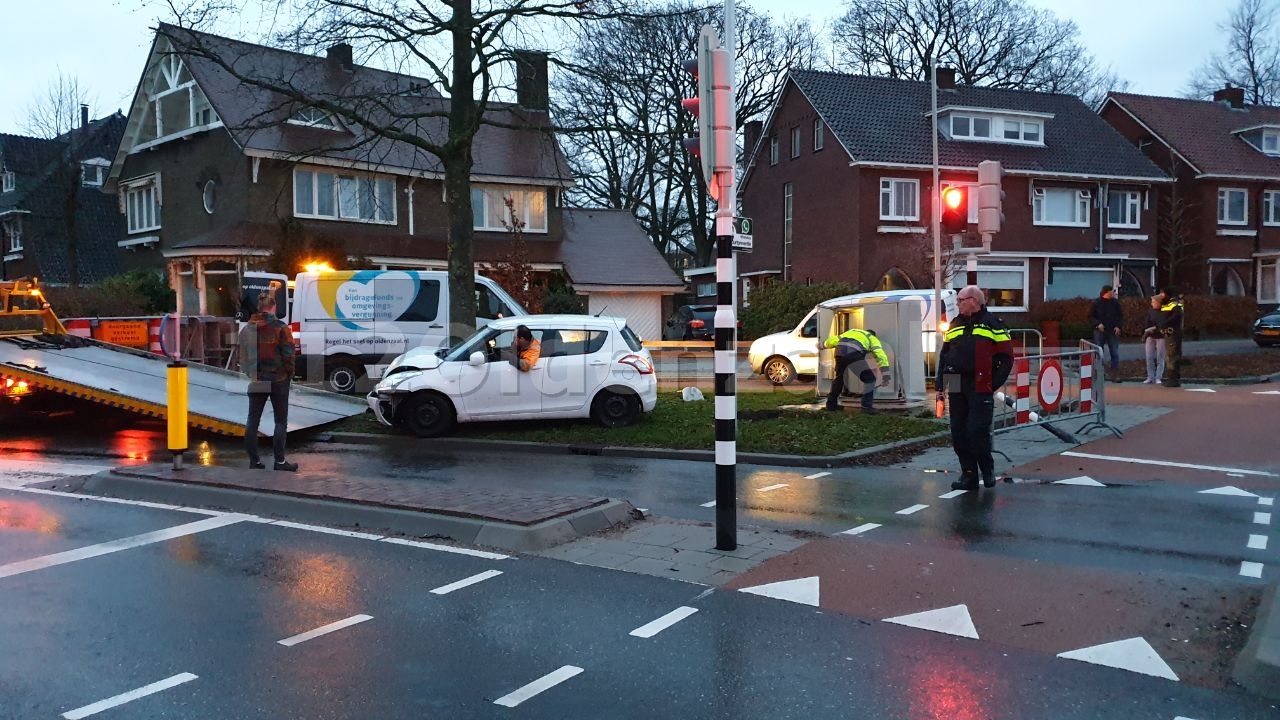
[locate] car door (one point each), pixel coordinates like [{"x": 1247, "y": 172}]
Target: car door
[
  {"x": 578, "y": 362},
  {"x": 806, "y": 358},
  {"x": 496, "y": 389}
]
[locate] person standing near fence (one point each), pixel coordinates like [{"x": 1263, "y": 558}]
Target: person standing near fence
[
  {"x": 1153, "y": 340},
  {"x": 974, "y": 362},
  {"x": 1106, "y": 316},
  {"x": 1171, "y": 307}
]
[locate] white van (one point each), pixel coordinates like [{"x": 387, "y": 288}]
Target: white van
[
  {"x": 349, "y": 325},
  {"x": 783, "y": 356}
]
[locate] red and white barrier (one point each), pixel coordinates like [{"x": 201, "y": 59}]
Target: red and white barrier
[
  {"x": 80, "y": 327},
  {"x": 153, "y": 336},
  {"x": 1022, "y": 366},
  {"x": 1086, "y": 383}
]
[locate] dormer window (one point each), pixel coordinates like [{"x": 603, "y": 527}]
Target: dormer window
[
  {"x": 315, "y": 117},
  {"x": 94, "y": 172},
  {"x": 1271, "y": 142},
  {"x": 982, "y": 125},
  {"x": 7, "y": 182}
]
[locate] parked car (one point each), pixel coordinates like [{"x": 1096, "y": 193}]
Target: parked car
[
  {"x": 1266, "y": 329},
  {"x": 589, "y": 367},
  {"x": 691, "y": 322}
]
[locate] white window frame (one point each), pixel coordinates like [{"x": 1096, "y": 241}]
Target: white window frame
[
  {"x": 8, "y": 182},
  {"x": 997, "y": 126},
  {"x": 890, "y": 189},
  {"x": 788, "y": 227},
  {"x": 819, "y": 137},
  {"x": 1081, "y": 203},
  {"x": 342, "y": 180},
  {"x": 1268, "y": 292},
  {"x": 1130, "y": 202},
  {"x": 795, "y": 143},
  {"x": 1224, "y": 204},
  {"x": 98, "y": 167},
  {"x": 1271, "y": 207},
  {"x": 316, "y": 118},
  {"x": 13, "y": 228},
  {"x": 1274, "y": 137},
  {"x": 491, "y": 194},
  {"x": 773, "y": 149},
  {"x": 138, "y": 195},
  {"x": 960, "y": 279}
]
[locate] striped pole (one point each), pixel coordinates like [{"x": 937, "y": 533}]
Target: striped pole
[
  {"x": 1086, "y": 382},
  {"x": 1023, "y": 405},
  {"x": 726, "y": 386},
  {"x": 153, "y": 336}
]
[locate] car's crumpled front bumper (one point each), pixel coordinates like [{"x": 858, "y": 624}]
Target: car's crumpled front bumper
[{"x": 384, "y": 405}]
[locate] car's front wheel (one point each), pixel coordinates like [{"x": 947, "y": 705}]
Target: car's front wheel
[
  {"x": 778, "y": 370},
  {"x": 612, "y": 409},
  {"x": 427, "y": 414}
]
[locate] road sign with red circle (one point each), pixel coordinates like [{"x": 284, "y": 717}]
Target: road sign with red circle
[{"x": 1049, "y": 385}]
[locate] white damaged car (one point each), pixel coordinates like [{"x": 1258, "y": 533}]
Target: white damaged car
[{"x": 589, "y": 367}]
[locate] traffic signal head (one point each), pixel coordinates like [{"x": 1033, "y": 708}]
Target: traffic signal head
[
  {"x": 955, "y": 210},
  {"x": 713, "y": 144},
  {"x": 990, "y": 197}
]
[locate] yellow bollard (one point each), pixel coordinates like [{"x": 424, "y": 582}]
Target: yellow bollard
[{"x": 177, "y": 411}]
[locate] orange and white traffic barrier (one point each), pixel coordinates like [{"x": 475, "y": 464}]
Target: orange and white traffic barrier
[
  {"x": 1086, "y": 382},
  {"x": 153, "y": 336},
  {"x": 80, "y": 327},
  {"x": 1022, "y": 406}
]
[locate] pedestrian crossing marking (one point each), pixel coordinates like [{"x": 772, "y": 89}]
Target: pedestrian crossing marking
[
  {"x": 1133, "y": 654},
  {"x": 803, "y": 590},
  {"x": 954, "y": 620}
]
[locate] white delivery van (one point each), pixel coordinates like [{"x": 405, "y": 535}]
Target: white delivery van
[
  {"x": 350, "y": 324},
  {"x": 783, "y": 356}
]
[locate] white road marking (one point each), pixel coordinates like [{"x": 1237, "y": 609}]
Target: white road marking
[
  {"x": 912, "y": 509},
  {"x": 954, "y": 620},
  {"x": 1251, "y": 569},
  {"x": 324, "y": 630},
  {"x": 546, "y": 682},
  {"x": 710, "y": 504},
  {"x": 1261, "y": 518},
  {"x": 805, "y": 591},
  {"x": 445, "y": 548},
  {"x": 1134, "y": 654},
  {"x": 1083, "y": 480},
  {"x": 771, "y": 488},
  {"x": 650, "y": 629},
  {"x": 1234, "y": 474},
  {"x": 1208, "y": 390},
  {"x": 1227, "y": 490},
  {"x": 106, "y": 548},
  {"x": 1266, "y": 392},
  {"x": 464, "y": 582},
  {"x": 1266, "y": 501},
  {"x": 1257, "y": 542},
  {"x": 47, "y": 467},
  {"x": 815, "y": 476},
  {"x": 117, "y": 501},
  {"x": 123, "y": 698},
  {"x": 326, "y": 530},
  {"x": 860, "y": 529},
  {"x": 952, "y": 494},
  {"x": 1164, "y": 463}
]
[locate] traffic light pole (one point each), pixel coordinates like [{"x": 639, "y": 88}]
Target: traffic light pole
[{"x": 726, "y": 352}]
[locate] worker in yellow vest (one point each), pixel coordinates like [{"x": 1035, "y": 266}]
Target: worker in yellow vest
[
  {"x": 852, "y": 348},
  {"x": 1171, "y": 328}
]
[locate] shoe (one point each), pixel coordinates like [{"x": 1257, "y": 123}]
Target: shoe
[
  {"x": 989, "y": 482},
  {"x": 286, "y": 466},
  {"x": 1148, "y": 381},
  {"x": 1159, "y": 382},
  {"x": 256, "y": 465},
  {"x": 964, "y": 485}
]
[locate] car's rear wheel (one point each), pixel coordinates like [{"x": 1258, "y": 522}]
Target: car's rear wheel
[
  {"x": 613, "y": 409},
  {"x": 341, "y": 376},
  {"x": 427, "y": 415},
  {"x": 778, "y": 370}
]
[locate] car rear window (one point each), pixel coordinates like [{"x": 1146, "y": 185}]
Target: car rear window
[
  {"x": 633, "y": 340},
  {"x": 704, "y": 310}
]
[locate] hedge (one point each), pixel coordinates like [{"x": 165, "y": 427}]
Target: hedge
[
  {"x": 135, "y": 293},
  {"x": 780, "y": 306},
  {"x": 1205, "y": 316}
]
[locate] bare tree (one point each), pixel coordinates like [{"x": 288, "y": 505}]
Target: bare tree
[
  {"x": 994, "y": 43},
  {"x": 1251, "y": 59},
  {"x": 1178, "y": 243}
]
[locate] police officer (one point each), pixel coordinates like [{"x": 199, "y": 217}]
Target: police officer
[
  {"x": 974, "y": 362},
  {"x": 1171, "y": 328},
  {"x": 852, "y": 347}
]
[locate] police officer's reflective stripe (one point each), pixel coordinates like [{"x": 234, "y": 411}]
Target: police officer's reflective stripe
[{"x": 982, "y": 331}]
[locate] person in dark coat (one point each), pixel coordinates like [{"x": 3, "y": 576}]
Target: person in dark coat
[
  {"x": 1106, "y": 316},
  {"x": 267, "y": 359},
  {"x": 1171, "y": 328}
]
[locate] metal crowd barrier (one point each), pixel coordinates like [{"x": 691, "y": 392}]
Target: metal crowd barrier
[{"x": 1051, "y": 388}]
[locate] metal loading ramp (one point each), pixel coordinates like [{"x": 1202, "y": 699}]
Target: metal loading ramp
[{"x": 137, "y": 381}]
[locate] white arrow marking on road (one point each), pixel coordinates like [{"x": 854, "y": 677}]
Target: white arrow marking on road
[
  {"x": 954, "y": 620},
  {"x": 648, "y": 630},
  {"x": 464, "y": 582},
  {"x": 803, "y": 590},
  {"x": 860, "y": 529},
  {"x": 123, "y": 698},
  {"x": 1266, "y": 392},
  {"x": 1261, "y": 518},
  {"x": 910, "y": 510},
  {"x": 815, "y": 476},
  {"x": 1208, "y": 390},
  {"x": 1266, "y": 501},
  {"x": 952, "y": 494},
  {"x": 1084, "y": 480},
  {"x": 771, "y": 488},
  {"x": 1163, "y": 463},
  {"x": 1251, "y": 569},
  {"x": 546, "y": 682},
  {"x": 1134, "y": 654},
  {"x": 1257, "y": 542},
  {"x": 710, "y": 504},
  {"x": 1227, "y": 490}
]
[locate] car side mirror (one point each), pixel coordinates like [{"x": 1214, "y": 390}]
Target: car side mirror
[{"x": 476, "y": 359}]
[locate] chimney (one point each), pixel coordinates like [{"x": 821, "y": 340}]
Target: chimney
[
  {"x": 751, "y": 135},
  {"x": 531, "y": 79},
  {"x": 84, "y": 115},
  {"x": 1232, "y": 96},
  {"x": 946, "y": 78},
  {"x": 339, "y": 57}
]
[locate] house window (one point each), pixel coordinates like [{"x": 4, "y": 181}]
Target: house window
[
  {"x": 142, "y": 203},
  {"x": 314, "y": 117},
  {"x": 978, "y": 127},
  {"x": 344, "y": 196},
  {"x": 968, "y": 126},
  {"x": 1268, "y": 283},
  {"x": 971, "y": 191},
  {"x": 1271, "y": 142},
  {"x": 795, "y": 143},
  {"x": 94, "y": 172},
  {"x": 1123, "y": 208},
  {"x": 818, "y": 138},
  {"x": 1064, "y": 283},
  {"x": 6, "y": 182},
  {"x": 13, "y": 235},
  {"x": 786, "y": 231},
  {"x": 1271, "y": 207},
  {"x": 176, "y": 107},
  {"x": 773, "y": 149},
  {"x": 489, "y": 208},
  {"x": 1060, "y": 206},
  {"x": 899, "y": 199},
  {"x": 1005, "y": 283},
  {"x": 1233, "y": 206}
]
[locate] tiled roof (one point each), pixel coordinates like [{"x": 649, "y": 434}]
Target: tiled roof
[
  {"x": 884, "y": 120},
  {"x": 255, "y": 117},
  {"x": 608, "y": 247},
  {"x": 1202, "y": 131}
]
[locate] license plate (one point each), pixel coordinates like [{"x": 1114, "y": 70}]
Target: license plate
[{"x": 1269, "y": 332}]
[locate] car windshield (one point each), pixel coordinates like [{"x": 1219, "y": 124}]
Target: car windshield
[
  {"x": 704, "y": 312},
  {"x": 478, "y": 341}
]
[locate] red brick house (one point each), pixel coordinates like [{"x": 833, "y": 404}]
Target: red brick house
[
  {"x": 838, "y": 184},
  {"x": 1225, "y": 158}
]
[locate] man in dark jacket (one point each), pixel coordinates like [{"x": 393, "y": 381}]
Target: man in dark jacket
[
  {"x": 974, "y": 362},
  {"x": 266, "y": 358},
  {"x": 1106, "y": 316},
  {"x": 1171, "y": 328}
]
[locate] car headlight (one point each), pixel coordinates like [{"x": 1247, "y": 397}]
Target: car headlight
[{"x": 392, "y": 382}]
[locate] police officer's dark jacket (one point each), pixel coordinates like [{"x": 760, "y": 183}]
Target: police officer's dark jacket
[{"x": 978, "y": 351}]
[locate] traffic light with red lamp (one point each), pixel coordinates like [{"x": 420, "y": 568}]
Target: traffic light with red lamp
[
  {"x": 990, "y": 197},
  {"x": 713, "y": 144},
  {"x": 955, "y": 210}
]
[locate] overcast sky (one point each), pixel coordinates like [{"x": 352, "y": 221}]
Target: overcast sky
[{"x": 1154, "y": 44}]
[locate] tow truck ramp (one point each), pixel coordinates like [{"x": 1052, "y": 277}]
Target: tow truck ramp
[{"x": 137, "y": 381}]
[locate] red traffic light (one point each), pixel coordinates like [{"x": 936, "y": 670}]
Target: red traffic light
[
  {"x": 953, "y": 197},
  {"x": 955, "y": 210}
]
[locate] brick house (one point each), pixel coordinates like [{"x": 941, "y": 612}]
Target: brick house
[
  {"x": 50, "y": 193},
  {"x": 212, "y": 173},
  {"x": 838, "y": 185},
  {"x": 1225, "y": 158}
]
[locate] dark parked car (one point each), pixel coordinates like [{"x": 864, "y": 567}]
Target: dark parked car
[
  {"x": 1266, "y": 329},
  {"x": 691, "y": 322}
]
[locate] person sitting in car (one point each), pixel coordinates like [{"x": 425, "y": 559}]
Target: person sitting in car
[{"x": 525, "y": 350}]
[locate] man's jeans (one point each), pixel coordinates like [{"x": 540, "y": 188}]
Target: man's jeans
[
  {"x": 1155, "y": 358},
  {"x": 279, "y": 397},
  {"x": 1111, "y": 341}
]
